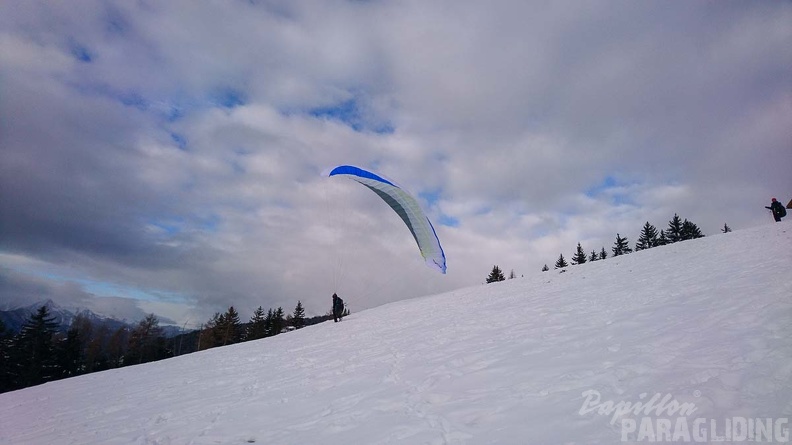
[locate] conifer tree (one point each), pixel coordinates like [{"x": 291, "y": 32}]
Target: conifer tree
[
  {"x": 690, "y": 231},
  {"x": 726, "y": 228},
  {"x": 561, "y": 262},
  {"x": 579, "y": 257},
  {"x": 257, "y": 328},
  {"x": 662, "y": 240},
  {"x": 33, "y": 353},
  {"x": 648, "y": 238},
  {"x": 69, "y": 352},
  {"x": 621, "y": 246},
  {"x": 512, "y": 275},
  {"x": 603, "y": 254},
  {"x": 269, "y": 322},
  {"x": 91, "y": 354},
  {"x": 229, "y": 330},
  {"x": 495, "y": 275},
  {"x": 545, "y": 268},
  {"x": 278, "y": 321},
  {"x": 212, "y": 333},
  {"x": 593, "y": 256},
  {"x": 674, "y": 232},
  {"x": 298, "y": 316},
  {"x": 5, "y": 358}
]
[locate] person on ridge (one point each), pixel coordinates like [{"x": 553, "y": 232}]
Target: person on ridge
[
  {"x": 778, "y": 210},
  {"x": 338, "y": 308}
]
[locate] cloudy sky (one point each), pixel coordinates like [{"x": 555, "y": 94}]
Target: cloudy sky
[{"x": 167, "y": 156}]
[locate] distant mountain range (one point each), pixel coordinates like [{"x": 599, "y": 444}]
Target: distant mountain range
[{"x": 15, "y": 318}]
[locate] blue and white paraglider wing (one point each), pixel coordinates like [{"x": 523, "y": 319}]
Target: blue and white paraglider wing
[{"x": 406, "y": 207}]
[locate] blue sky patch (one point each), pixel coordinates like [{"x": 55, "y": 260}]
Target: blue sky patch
[
  {"x": 174, "y": 113},
  {"x": 209, "y": 223},
  {"x": 81, "y": 53},
  {"x": 134, "y": 99},
  {"x": 115, "y": 20},
  {"x": 609, "y": 187},
  {"x": 105, "y": 289},
  {"x": 346, "y": 112},
  {"x": 229, "y": 98},
  {"x": 170, "y": 227},
  {"x": 180, "y": 140},
  {"x": 238, "y": 167},
  {"x": 108, "y": 289},
  {"x": 608, "y": 183},
  {"x": 383, "y": 129},
  {"x": 349, "y": 113},
  {"x": 431, "y": 198},
  {"x": 449, "y": 221},
  {"x": 177, "y": 225}
]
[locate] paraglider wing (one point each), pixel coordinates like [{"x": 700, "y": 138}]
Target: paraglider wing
[{"x": 406, "y": 207}]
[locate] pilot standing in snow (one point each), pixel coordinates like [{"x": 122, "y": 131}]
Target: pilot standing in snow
[
  {"x": 338, "y": 308},
  {"x": 778, "y": 210}
]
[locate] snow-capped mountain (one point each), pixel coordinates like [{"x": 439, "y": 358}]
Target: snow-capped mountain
[
  {"x": 15, "y": 318},
  {"x": 687, "y": 343}
]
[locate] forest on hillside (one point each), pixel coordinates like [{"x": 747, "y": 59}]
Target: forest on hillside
[{"x": 42, "y": 351}]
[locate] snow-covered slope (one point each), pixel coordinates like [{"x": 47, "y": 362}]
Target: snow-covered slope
[{"x": 705, "y": 324}]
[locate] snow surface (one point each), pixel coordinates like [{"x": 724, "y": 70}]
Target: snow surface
[{"x": 705, "y": 322}]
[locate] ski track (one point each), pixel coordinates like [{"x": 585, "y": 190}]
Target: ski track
[{"x": 708, "y": 321}]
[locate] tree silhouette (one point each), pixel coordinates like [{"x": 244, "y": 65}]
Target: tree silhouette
[
  {"x": 298, "y": 316},
  {"x": 5, "y": 359},
  {"x": 648, "y": 238},
  {"x": 662, "y": 240},
  {"x": 561, "y": 262},
  {"x": 690, "y": 231},
  {"x": 621, "y": 246},
  {"x": 229, "y": 329},
  {"x": 146, "y": 341},
  {"x": 674, "y": 232},
  {"x": 257, "y": 327},
  {"x": 278, "y": 321},
  {"x": 34, "y": 351},
  {"x": 580, "y": 256},
  {"x": 495, "y": 275}
]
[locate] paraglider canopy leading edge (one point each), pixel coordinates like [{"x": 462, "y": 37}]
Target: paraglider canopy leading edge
[{"x": 406, "y": 207}]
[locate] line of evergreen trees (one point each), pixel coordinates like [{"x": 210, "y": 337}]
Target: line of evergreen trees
[
  {"x": 226, "y": 328},
  {"x": 677, "y": 230},
  {"x": 41, "y": 353}
]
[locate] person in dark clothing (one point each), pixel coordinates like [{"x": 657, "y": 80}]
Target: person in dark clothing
[
  {"x": 338, "y": 308},
  {"x": 778, "y": 210}
]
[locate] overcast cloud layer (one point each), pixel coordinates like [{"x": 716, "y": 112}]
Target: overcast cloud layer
[{"x": 166, "y": 157}]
